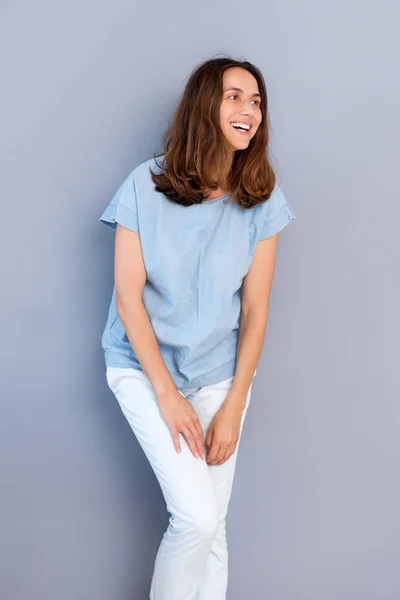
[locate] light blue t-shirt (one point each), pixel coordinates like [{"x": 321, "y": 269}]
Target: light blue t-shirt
[{"x": 195, "y": 258}]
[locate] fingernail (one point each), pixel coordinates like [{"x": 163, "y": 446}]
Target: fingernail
[
  {"x": 196, "y": 454},
  {"x": 203, "y": 456}
]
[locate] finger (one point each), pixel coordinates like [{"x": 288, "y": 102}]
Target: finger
[
  {"x": 213, "y": 453},
  {"x": 177, "y": 441},
  {"x": 209, "y": 438},
  {"x": 200, "y": 432},
  {"x": 221, "y": 457},
  {"x": 198, "y": 440},
  {"x": 191, "y": 441},
  {"x": 229, "y": 451},
  {"x": 196, "y": 428},
  {"x": 199, "y": 437},
  {"x": 221, "y": 453}
]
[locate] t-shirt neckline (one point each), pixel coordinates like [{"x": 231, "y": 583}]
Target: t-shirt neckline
[{"x": 219, "y": 199}]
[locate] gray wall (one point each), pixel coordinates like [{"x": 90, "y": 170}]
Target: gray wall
[{"x": 87, "y": 91}]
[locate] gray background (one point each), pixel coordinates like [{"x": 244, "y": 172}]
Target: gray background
[{"x": 87, "y": 88}]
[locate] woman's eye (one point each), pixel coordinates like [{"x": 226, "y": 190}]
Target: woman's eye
[{"x": 256, "y": 102}]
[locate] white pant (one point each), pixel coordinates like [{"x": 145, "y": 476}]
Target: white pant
[{"x": 192, "y": 560}]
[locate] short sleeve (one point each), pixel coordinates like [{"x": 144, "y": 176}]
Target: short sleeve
[
  {"x": 123, "y": 207},
  {"x": 278, "y": 214}
]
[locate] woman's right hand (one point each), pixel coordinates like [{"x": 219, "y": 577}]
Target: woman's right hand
[{"x": 181, "y": 417}]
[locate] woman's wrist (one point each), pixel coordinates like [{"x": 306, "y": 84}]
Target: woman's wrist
[
  {"x": 235, "y": 403},
  {"x": 164, "y": 391}
]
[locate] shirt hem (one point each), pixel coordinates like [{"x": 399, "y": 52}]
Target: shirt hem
[{"x": 220, "y": 373}]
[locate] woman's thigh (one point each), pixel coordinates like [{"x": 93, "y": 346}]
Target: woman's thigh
[
  {"x": 185, "y": 480},
  {"x": 206, "y": 403}
]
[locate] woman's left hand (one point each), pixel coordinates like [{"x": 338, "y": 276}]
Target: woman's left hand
[{"x": 223, "y": 434}]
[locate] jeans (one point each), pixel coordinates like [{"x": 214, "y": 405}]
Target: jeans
[{"x": 192, "y": 560}]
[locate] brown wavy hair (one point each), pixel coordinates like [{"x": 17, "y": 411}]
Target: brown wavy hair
[{"x": 195, "y": 147}]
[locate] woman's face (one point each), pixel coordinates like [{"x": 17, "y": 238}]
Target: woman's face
[{"x": 240, "y": 106}]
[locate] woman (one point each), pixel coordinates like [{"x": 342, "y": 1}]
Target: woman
[{"x": 195, "y": 247}]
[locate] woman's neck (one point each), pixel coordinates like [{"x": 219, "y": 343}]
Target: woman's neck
[{"x": 216, "y": 194}]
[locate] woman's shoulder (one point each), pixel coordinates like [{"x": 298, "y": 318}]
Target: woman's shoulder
[
  {"x": 273, "y": 214},
  {"x": 272, "y": 204},
  {"x": 142, "y": 171}
]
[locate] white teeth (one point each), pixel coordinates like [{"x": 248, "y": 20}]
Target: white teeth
[{"x": 243, "y": 125}]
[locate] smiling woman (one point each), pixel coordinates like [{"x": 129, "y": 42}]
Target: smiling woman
[
  {"x": 244, "y": 104},
  {"x": 195, "y": 248},
  {"x": 217, "y": 140}
]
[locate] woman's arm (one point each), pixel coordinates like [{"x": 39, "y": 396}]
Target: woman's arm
[
  {"x": 130, "y": 279},
  {"x": 253, "y": 320},
  {"x": 223, "y": 433}
]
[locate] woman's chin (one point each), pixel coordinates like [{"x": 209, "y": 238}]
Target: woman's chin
[
  {"x": 236, "y": 144},
  {"x": 241, "y": 146}
]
